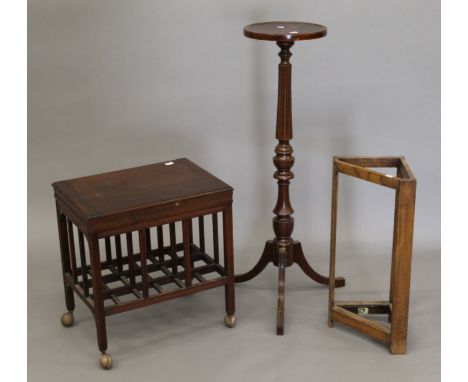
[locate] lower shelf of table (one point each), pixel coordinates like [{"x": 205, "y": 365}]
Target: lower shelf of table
[{"x": 123, "y": 292}]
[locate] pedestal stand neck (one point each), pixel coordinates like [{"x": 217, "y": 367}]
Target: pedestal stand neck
[{"x": 283, "y": 223}]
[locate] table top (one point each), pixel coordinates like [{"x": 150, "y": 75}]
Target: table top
[
  {"x": 284, "y": 31},
  {"x": 139, "y": 187}
]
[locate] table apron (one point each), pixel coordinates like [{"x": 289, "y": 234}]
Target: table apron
[{"x": 114, "y": 225}]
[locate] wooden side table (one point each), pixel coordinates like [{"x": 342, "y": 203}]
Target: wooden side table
[
  {"x": 355, "y": 313},
  {"x": 120, "y": 211},
  {"x": 283, "y": 251}
]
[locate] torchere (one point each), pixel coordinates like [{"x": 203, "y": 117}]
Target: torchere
[{"x": 283, "y": 251}]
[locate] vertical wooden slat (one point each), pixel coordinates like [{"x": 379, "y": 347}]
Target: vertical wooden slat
[
  {"x": 84, "y": 266},
  {"x": 160, "y": 243},
  {"x": 172, "y": 235},
  {"x": 131, "y": 258},
  {"x": 331, "y": 280},
  {"x": 201, "y": 233},
  {"x": 190, "y": 230},
  {"x": 118, "y": 252},
  {"x": 186, "y": 225},
  {"x": 71, "y": 242},
  {"x": 143, "y": 261},
  {"x": 108, "y": 250},
  {"x": 148, "y": 239},
  {"x": 215, "y": 238}
]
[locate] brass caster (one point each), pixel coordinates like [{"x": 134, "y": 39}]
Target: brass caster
[
  {"x": 230, "y": 320},
  {"x": 67, "y": 319},
  {"x": 105, "y": 360}
]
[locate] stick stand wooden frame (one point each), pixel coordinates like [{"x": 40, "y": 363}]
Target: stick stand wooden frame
[
  {"x": 351, "y": 313},
  {"x": 283, "y": 251}
]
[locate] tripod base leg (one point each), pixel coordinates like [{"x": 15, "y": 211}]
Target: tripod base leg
[
  {"x": 281, "y": 296},
  {"x": 267, "y": 257},
  {"x": 300, "y": 260}
]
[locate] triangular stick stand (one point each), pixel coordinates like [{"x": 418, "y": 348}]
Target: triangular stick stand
[{"x": 352, "y": 313}]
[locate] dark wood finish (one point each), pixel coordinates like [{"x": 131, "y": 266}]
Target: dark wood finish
[
  {"x": 229, "y": 259},
  {"x": 283, "y": 251},
  {"x": 65, "y": 257},
  {"x": 118, "y": 251},
  {"x": 148, "y": 238},
  {"x": 144, "y": 267},
  {"x": 134, "y": 189},
  {"x": 215, "y": 238},
  {"x": 131, "y": 260},
  {"x": 136, "y": 201},
  {"x": 284, "y": 31},
  {"x": 98, "y": 296},
  {"x": 71, "y": 241},
  {"x": 160, "y": 242},
  {"x": 201, "y": 233},
  {"x": 108, "y": 247},
  {"x": 84, "y": 266},
  {"x": 349, "y": 313},
  {"x": 187, "y": 255},
  {"x": 172, "y": 234},
  {"x": 104, "y": 203},
  {"x": 281, "y": 297},
  {"x": 164, "y": 297}
]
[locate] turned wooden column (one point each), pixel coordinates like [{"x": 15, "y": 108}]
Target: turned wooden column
[
  {"x": 283, "y": 222},
  {"x": 283, "y": 251}
]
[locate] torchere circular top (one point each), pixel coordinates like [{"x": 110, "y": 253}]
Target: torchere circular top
[{"x": 284, "y": 31}]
